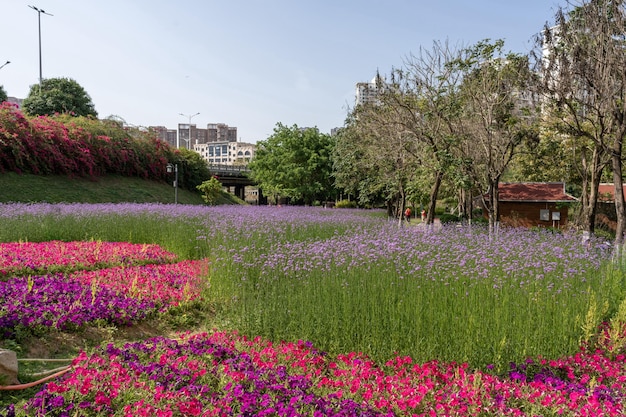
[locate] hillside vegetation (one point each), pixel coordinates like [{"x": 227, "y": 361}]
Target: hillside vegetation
[
  {"x": 27, "y": 188},
  {"x": 69, "y": 159}
]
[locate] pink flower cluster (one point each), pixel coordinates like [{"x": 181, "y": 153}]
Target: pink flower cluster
[
  {"x": 23, "y": 258},
  {"x": 225, "y": 374},
  {"x": 166, "y": 284}
]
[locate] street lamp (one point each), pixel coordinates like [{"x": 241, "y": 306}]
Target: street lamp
[
  {"x": 3, "y": 65},
  {"x": 170, "y": 168},
  {"x": 39, "y": 12},
  {"x": 190, "y": 116}
]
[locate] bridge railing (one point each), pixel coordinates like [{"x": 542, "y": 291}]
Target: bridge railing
[{"x": 231, "y": 170}]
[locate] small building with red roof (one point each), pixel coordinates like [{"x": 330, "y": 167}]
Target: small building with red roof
[
  {"x": 532, "y": 204},
  {"x": 606, "y": 217},
  {"x": 606, "y": 192}
]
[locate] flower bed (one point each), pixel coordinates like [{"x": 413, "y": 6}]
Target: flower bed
[
  {"x": 22, "y": 258},
  {"x": 54, "y": 301},
  {"x": 225, "y": 374},
  {"x": 120, "y": 295},
  {"x": 168, "y": 284}
]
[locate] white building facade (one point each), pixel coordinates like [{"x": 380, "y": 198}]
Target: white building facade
[{"x": 226, "y": 153}]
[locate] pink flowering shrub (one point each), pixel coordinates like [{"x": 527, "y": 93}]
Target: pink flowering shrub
[{"x": 57, "y": 145}]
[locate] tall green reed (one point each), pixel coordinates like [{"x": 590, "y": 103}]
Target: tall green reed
[{"x": 447, "y": 295}]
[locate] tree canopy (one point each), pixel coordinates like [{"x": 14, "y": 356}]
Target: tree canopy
[
  {"x": 58, "y": 95},
  {"x": 582, "y": 60},
  {"x": 294, "y": 163}
]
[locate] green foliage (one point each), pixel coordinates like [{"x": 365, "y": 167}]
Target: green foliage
[
  {"x": 448, "y": 218},
  {"x": 193, "y": 170},
  {"x": 58, "y": 95},
  {"x": 3, "y": 94},
  {"x": 211, "y": 190},
  {"x": 346, "y": 204},
  {"x": 480, "y": 220},
  {"x": 295, "y": 163}
]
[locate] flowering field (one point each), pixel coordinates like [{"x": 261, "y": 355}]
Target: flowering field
[{"x": 407, "y": 322}]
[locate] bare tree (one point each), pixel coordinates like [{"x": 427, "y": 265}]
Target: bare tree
[
  {"x": 499, "y": 113},
  {"x": 386, "y": 152},
  {"x": 425, "y": 100},
  {"x": 583, "y": 61}
]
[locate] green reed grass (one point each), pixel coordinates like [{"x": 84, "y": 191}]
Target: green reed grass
[
  {"x": 176, "y": 235},
  {"x": 379, "y": 309}
]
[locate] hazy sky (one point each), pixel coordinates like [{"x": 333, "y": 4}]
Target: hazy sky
[{"x": 249, "y": 64}]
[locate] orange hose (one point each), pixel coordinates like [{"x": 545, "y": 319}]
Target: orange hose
[{"x": 32, "y": 384}]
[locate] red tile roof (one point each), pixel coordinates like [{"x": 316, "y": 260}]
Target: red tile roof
[
  {"x": 606, "y": 192},
  {"x": 553, "y": 192}
]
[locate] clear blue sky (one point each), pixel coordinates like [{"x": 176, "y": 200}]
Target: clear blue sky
[{"x": 249, "y": 64}]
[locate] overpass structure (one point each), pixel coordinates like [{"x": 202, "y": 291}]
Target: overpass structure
[{"x": 236, "y": 176}]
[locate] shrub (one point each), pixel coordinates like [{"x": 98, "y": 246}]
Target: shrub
[
  {"x": 346, "y": 204},
  {"x": 448, "y": 218},
  {"x": 479, "y": 219}
]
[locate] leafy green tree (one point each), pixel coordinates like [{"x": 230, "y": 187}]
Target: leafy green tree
[
  {"x": 3, "y": 95},
  {"x": 295, "y": 163},
  {"x": 58, "y": 95},
  {"x": 210, "y": 190},
  {"x": 193, "y": 170},
  {"x": 352, "y": 170}
]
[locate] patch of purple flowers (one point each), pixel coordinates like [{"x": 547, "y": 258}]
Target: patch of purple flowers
[{"x": 54, "y": 301}]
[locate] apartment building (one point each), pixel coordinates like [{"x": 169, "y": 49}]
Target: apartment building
[
  {"x": 166, "y": 135},
  {"x": 368, "y": 92},
  {"x": 226, "y": 152}
]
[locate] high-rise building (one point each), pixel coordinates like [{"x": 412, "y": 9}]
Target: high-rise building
[
  {"x": 165, "y": 134},
  {"x": 220, "y": 132},
  {"x": 368, "y": 92}
]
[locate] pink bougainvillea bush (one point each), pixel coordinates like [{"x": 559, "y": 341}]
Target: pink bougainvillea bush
[
  {"x": 226, "y": 374},
  {"x": 54, "y": 145}
]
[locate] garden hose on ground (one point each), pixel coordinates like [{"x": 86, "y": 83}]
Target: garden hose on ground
[{"x": 57, "y": 372}]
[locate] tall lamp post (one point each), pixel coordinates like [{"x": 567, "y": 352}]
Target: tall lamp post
[
  {"x": 190, "y": 116},
  {"x": 39, "y": 12},
  {"x": 174, "y": 168},
  {"x": 5, "y": 64}
]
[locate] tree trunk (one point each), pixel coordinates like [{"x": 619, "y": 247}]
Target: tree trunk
[
  {"x": 434, "y": 192},
  {"x": 592, "y": 174},
  {"x": 620, "y": 209},
  {"x": 494, "y": 207},
  {"x": 401, "y": 207}
]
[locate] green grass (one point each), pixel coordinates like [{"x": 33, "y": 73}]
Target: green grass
[{"x": 26, "y": 188}]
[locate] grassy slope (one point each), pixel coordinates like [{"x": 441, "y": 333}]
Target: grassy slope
[{"x": 111, "y": 189}]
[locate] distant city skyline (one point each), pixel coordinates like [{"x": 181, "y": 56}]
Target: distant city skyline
[{"x": 244, "y": 63}]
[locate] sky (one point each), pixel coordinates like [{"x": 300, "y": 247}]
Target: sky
[{"x": 250, "y": 64}]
